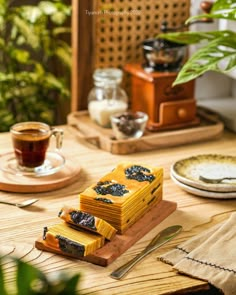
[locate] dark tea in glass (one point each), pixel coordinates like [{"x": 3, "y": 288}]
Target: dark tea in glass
[
  {"x": 31, "y": 141},
  {"x": 30, "y": 147}
]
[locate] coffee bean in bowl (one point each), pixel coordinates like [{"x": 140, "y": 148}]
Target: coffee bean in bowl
[{"x": 129, "y": 124}]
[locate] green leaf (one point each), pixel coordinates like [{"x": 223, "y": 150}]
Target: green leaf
[
  {"x": 61, "y": 30},
  {"x": 71, "y": 285},
  {"x": 2, "y": 43},
  {"x": 26, "y": 30},
  {"x": 223, "y": 5},
  {"x": 27, "y": 278},
  {"x": 58, "y": 18},
  {"x": 63, "y": 283},
  {"x": 48, "y": 7},
  {"x": 196, "y": 37},
  {"x": 52, "y": 81},
  {"x": 3, "y": 6},
  {"x": 2, "y": 285},
  {"x": 212, "y": 57},
  {"x": 20, "y": 55},
  {"x": 64, "y": 55},
  {"x": 31, "y": 13},
  {"x": 221, "y": 9}
]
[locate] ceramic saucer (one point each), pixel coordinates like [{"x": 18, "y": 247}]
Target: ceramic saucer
[
  {"x": 203, "y": 193},
  {"x": 52, "y": 164},
  {"x": 188, "y": 170}
]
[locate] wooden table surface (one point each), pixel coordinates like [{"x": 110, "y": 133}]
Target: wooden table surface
[{"x": 21, "y": 227}]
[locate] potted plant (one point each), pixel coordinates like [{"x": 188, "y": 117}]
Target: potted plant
[
  {"x": 31, "y": 45},
  {"x": 218, "y": 51}
]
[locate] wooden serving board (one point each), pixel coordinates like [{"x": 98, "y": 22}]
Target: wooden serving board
[
  {"x": 26, "y": 184},
  {"x": 210, "y": 127},
  {"x": 113, "y": 249}
]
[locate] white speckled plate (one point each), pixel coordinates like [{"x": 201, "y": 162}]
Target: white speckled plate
[
  {"x": 204, "y": 193},
  {"x": 188, "y": 170}
]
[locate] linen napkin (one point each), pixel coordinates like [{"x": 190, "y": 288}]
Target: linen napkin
[{"x": 209, "y": 256}]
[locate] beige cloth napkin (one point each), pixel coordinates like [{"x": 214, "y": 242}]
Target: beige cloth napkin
[{"x": 210, "y": 256}]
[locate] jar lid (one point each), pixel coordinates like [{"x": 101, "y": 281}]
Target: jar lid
[{"x": 108, "y": 76}]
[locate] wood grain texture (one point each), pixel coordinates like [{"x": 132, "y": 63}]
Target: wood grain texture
[
  {"x": 121, "y": 243},
  {"x": 24, "y": 184},
  {"x": 104, "y": 138},
  {"x": 21, "y": 227}
]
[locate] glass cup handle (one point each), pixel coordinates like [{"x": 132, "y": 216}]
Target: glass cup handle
[{"x": 58, "y": 133}]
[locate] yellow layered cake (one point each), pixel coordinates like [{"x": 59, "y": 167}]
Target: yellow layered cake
[
  {"x": 87, "y": 221},
  {"x": 124, "y": 195},
  {"x": 62, "y": 238}
]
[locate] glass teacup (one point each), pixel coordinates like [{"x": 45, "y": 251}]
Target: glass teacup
[{"x": 31, "y": 141}]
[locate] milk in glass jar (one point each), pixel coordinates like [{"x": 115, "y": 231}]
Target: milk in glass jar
[{"x": 107, "y": 97}]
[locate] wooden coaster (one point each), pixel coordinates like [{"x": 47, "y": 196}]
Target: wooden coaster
[
  {"x": 27, "y": 184},
  {"x": 113, "y": 249}
]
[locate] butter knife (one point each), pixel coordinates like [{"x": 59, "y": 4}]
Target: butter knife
[{"x": 160, "y": 239}]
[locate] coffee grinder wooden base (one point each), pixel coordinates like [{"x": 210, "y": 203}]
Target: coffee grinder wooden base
[{"x": 168, "y": 107}]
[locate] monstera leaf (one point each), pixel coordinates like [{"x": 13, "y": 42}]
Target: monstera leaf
[{"x": 218, "y": 48}]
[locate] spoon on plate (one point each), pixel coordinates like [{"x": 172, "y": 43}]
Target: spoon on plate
[
  {"x": 215, "y": 180},
  {"x": 20, "y": 205}
]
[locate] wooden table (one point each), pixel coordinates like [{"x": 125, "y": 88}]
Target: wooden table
[{"x": 21, "y": 227}]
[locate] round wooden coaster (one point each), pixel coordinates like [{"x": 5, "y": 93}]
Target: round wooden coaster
[{"x": 27, "y": 184}]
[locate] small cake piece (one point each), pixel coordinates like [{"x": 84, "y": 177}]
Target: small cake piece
[
  {"x": 61, "y": 237},
  {"x": 124, "y": 195},
  {"x": 87, "y": 221}
]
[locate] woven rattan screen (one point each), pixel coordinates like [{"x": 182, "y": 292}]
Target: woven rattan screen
[
  {"x": 109, "y": 33},
  {"x": 121, "y": 26}
]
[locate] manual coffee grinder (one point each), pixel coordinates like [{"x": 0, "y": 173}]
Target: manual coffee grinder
[{"x": 152, "y": 92}]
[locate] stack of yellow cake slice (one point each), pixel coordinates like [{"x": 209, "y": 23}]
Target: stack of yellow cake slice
[
  {"x": 80, "y": 235},
  {"x": 79, "y": 219},
  {"x": 111, "y": 205},
  {"x": 66, "y": 240},
  {"x": 124, "y": 195}
]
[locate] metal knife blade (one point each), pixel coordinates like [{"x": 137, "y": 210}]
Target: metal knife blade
[{"x": 160, "y": 239}]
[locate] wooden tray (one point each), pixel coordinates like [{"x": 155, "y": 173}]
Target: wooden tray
[
  {"x": 121, "y": 243},
  {"x": 210, "y": 127},
  {"x": 25, "y": 184}
]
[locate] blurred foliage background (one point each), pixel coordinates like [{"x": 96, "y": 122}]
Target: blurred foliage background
[
  {"x": 35, "y": 61},
  {"x": 30, "y": 280}
]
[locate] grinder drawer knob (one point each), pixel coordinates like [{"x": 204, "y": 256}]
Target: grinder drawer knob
[{"x": 182, "y": 113}]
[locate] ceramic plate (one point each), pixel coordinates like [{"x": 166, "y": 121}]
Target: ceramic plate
[
  {"x": 204, "y": 193},
  {"x": 188, "y": 170}
]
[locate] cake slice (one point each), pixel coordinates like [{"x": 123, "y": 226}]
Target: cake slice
[
  {"x": 87, "y": 221},
  {"x": 66, "y": 240},
  {"x": 124, "y": 195}
]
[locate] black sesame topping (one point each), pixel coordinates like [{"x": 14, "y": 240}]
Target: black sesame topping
[
  {"x": 45, "y": 230},
  {"x": 104, "y": 200},
  {"x": 83, "y": 219},
  {"x": 70, "y": 247},
  {"x": 114, "y": 189},
  {"x": 139, "y": 173}
]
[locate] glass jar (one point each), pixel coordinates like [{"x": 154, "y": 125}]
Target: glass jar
[{"x": 107, "y": 97}]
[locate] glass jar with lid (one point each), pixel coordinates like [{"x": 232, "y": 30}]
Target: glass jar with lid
[{"x": 107, "y": 97}]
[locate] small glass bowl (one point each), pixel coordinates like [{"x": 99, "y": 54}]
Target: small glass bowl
[{"x": 128, "y": 124}]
